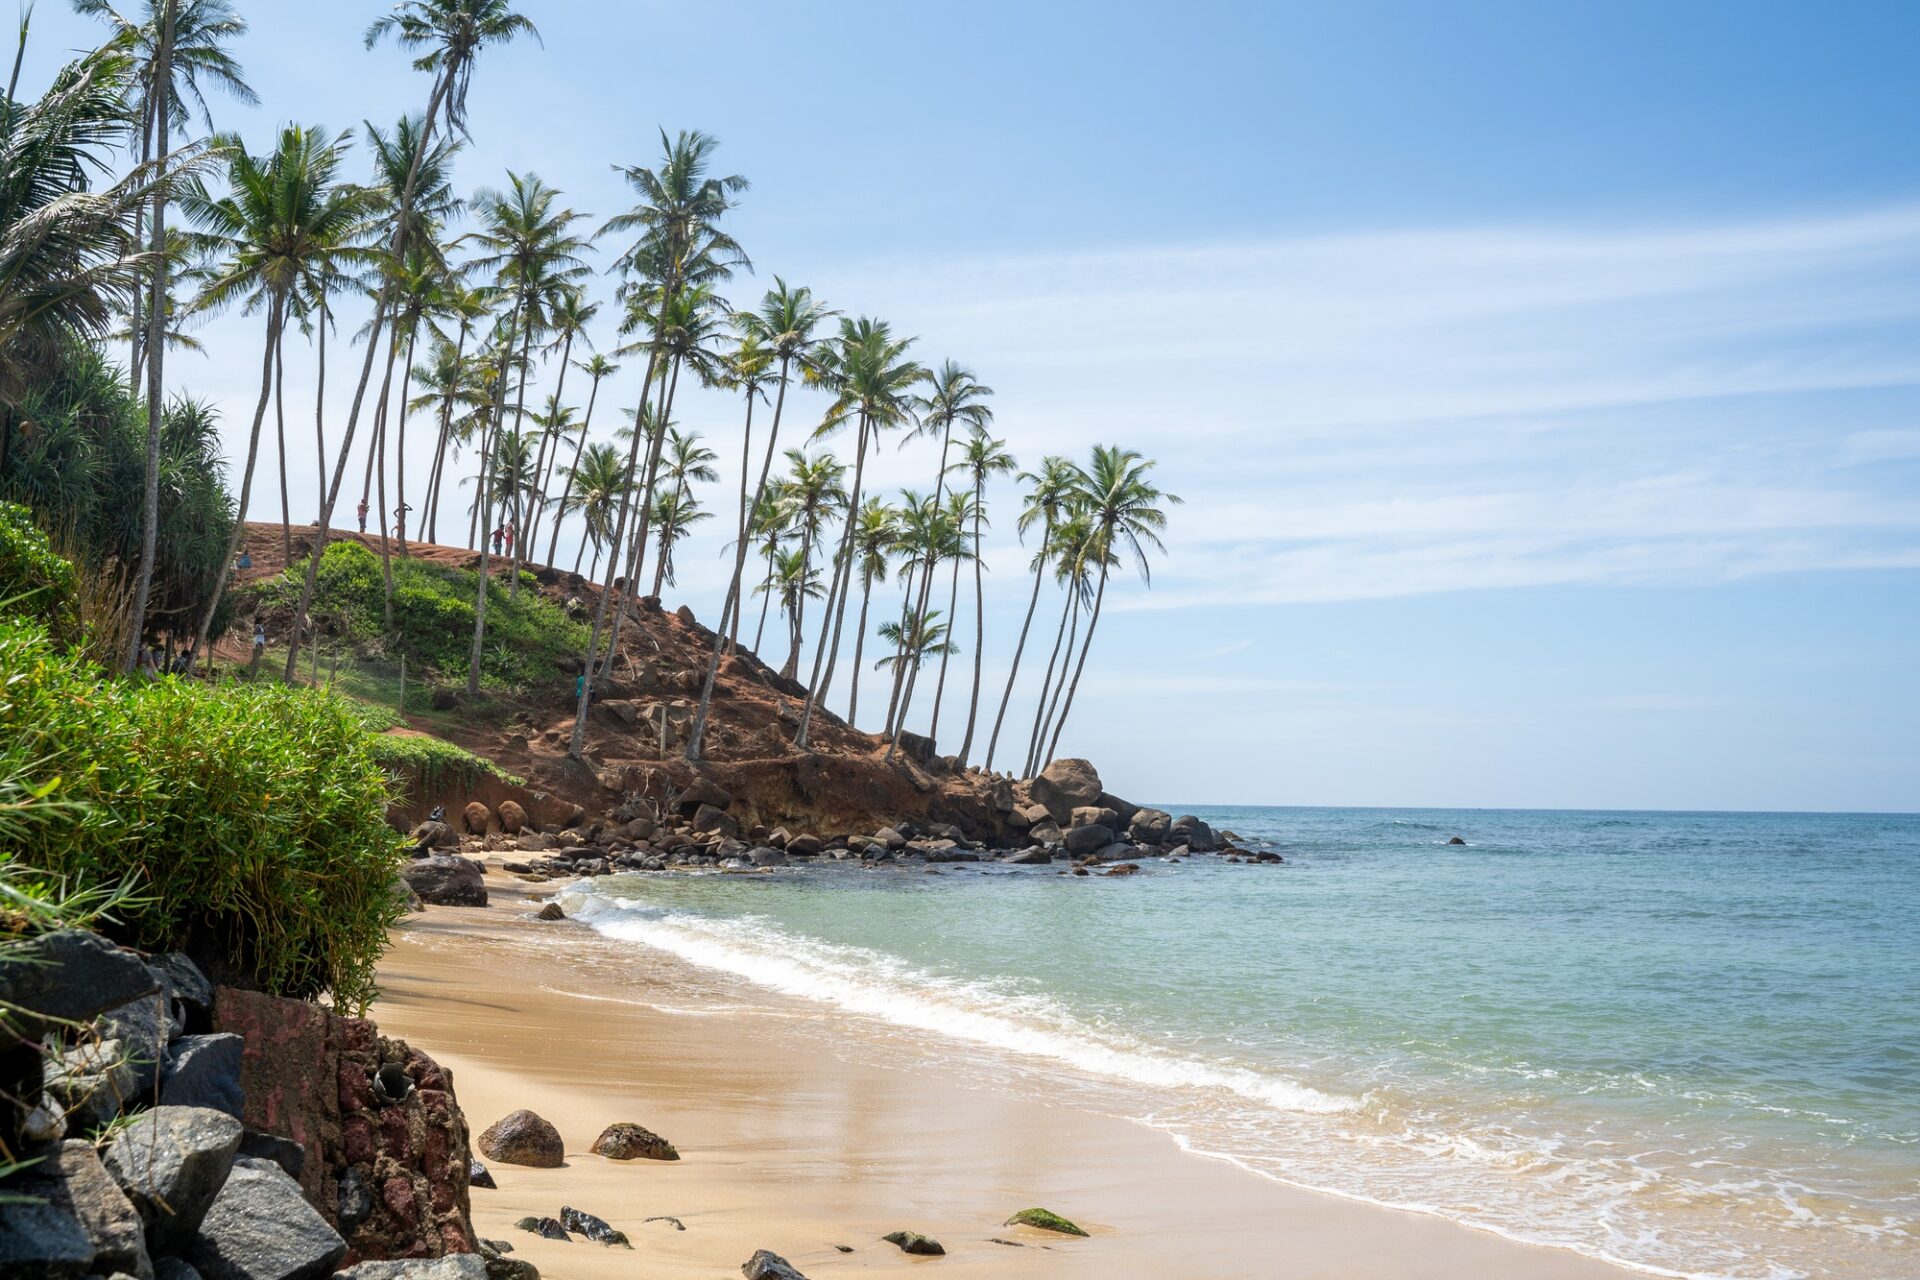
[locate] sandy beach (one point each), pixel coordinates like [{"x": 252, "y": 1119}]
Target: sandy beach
[{"x": 790, "y": 1146}]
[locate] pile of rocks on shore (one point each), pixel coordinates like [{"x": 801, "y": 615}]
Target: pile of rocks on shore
[
  {"x": 124, "y": 1103},
  {"x": 1062, "y": 815}
]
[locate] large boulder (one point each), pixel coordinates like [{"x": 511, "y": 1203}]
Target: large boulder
[
  {"x": 1092, "y": 838},
  {"x": 1093, "y": 815},
  {"x": 712, "y": 818},
  {"x": 1150, "y": 826},
  {"x": 455, "y": 1266},
  {"x": 625, "y": 1141},
  {"x": 447, "y": 881},
  {"x": 1064, "y": 786},
  {"x": 476, "y": 817},
  {"x": 172, "y": 1163},
  {"x": 1193, "y": 833},
  {"x": 917, "y": 747},
  {"x": 915, "y": 1243},
  {"x": 261, "y": 1228},
  {"x": 765, "y": 1264},
  {"x": 1121, "y": 808},
  {"x": 434, "y": 835},
  {"x": 512, "y": 817},
  {"x": 704, "y": 791},
  {"x": 805, "y": 845},
  {"x": 64, "y": 1216},
  {"x": 524, "y": 1138}
]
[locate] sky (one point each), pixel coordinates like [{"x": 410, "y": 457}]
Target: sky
[{"x": 1542, "y": 381}]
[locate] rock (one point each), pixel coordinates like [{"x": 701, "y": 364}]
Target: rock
[
  {"x": 1149, "y": 826},
  {"x": 1064, "y": 786},
  {"x": 552, "y": 910},
  {"x": 1193, "y": 833},
  {"x": 454, "y": 1266},
  {"x": 709, "y": 817},
  {"x": 142, "y": 1028},
  {"x": 914, "y": 1242},
  {"x": 512, "y": 817},
  {"x": 1124, "y": 869},
  {"x": 1044, "y": 832},
  {"x": 1033, "y": 813},
  {"x": 1030, "y": 858},
  {"x": 640, "y": 828},
  {"x": 1045, "y": 1220},
  {"x": 285, "y": 1152},
  {"x": 73, "y": 976},
  {"x": 173, "y": 1269},
  {"x": 685, "y": 615},
  {"x": 434, "y": 835},
  {"x": 532, "y": 842},
  {"x": 706, "y": 791},
  {"x": 46, "y": 1123},
  {"x": 81, "y": 1220},
  {"x": 204, "y": 1071},
  {"x": 499, "y": 1268},
  {"x": 625, "y": 1141},
  {"x": 356, "y": 1201},
  {"x": 90, "y": 1082},
  {"x": 1455, "y": 840},
  {"x": 447, "y": 881},
  {"x": 523, "y": 1138},
  {"x": 478, "y": 1175},
  {"x": 805, "y": 845},
  {"x": 765, "y": 857},
  {"x": 1122, "y": 810},
  {"x": 476, "y": 817},
  {"x": 185, "y": 984},
  {"x": 1093, "y": 815},
  {"x": 172, "y": 1162},
  {"x": 893, "y": 839},
  {"x": 768, "y": 1265},
  {"x": 595, "y": 1229},
  {"x": 1089, "y": 839},
  {"x": 677, "y": 1224},
  {"x": 546, "y": 1228},
  {"x": 445, "y": 699},
  {"x": 261, "y": 1228}
]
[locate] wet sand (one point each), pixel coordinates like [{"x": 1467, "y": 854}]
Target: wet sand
[{"x": 791, "y": 1146}]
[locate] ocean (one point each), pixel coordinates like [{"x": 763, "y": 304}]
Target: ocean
[{"x": 1686, "y": 1042}]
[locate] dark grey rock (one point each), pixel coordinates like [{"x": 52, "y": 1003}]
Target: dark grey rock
[
  {"x": 173, "y": 1269},
  {"x": 1193, "y": 833},
  {"x": 285, "y": 1152},
  {"x": 768, "y": 1265},
  {"x": 185, "y": 982},
  {"x": 447, "y": 881},
  {"x": 73, "y": 976},
  {"x": 546, "y": 1228},
  {"x": 91, "y": 1082},
  {"x": 204, "y": 1071},
  {"x": 1030, "y": 857},
  {"x": 454, "y": 1266},
  {"x": 598, "y": 1230},
  {"x": 914, "y": 1242},
  {"x": 39, "y": 1241},
  {"x": 511, "y": 1269},
  {"x": 766, "y": 857},
  {"x": 81, "y": 1222},
  {"x": 261, "y": 1228},
  {"x": 172, "y": 1163},
  {"x": 478, "y": 1175},
  {"x": 1091, "y": 838},
  {"x": 1150, "y": 826},
  {"x": 356, "y": 1200}
]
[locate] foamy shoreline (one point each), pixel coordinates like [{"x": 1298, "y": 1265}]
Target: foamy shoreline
[{"x": 792, "y": 1146}]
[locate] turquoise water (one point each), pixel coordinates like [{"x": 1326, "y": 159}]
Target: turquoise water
[{"x": 1687, "y": 1042}]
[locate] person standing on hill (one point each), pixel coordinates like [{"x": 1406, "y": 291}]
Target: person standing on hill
[
  {"x": 497, "y": 535},
  {"x": 259, "y": 645},
  {"x": 507, "y": 529},
  {"x": 361, "y": 511},
  {"x": 400, "y": 520}
]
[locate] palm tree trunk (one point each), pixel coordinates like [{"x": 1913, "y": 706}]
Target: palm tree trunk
[
  {"x": 940, "y": 687},
  {"x": 280, "y": 433},
  {"x": 485, "y": 499},
  {"x": 396, "y": 250},
  {"x": 669, "y": 386},
  {"x": 837, "y": 594},
  {"x": 380, "y": 451},
  {"x": 1085, "y": 647},
  {"x": 900, "y": 652},
  {"x": 596, "y": 560},
  {"x": 791, "y": 667},
  {"x": 766, "y": 598},
  {"x": 136, "y": 318},
  {"x": 156, "y": 341},
  {"x": 320, "y": 404},
  {"x": 519, "y": 425},
  {"x": 446, "y": 438},
  {"x": 1039, "y": 572},
  {"x": 274, "y": 316},
  {"x": 560, "y": 512},
  {"x": 1046, "y": 684},
  {"x": 400, "y": 441},
  {"x": 979, "y": 620},
  {"x": 544, "y": 468},
  {"x": 859, "y": 643}
]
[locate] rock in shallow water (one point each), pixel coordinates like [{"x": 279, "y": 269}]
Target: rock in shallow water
[
  {"x": 914, "y": 1242},
  {"x": 523, "y": 1138}
]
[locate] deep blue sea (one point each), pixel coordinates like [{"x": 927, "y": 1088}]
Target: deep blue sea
[{"x": 1689, "y": 1042}]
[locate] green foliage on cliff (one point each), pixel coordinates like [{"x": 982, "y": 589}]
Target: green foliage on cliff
[
  {"x": 433, "y": 617},
  {"x": 433, "y": 760},
  {"x": 33, "y": 580},
  {"x": 248, "y": 821}
]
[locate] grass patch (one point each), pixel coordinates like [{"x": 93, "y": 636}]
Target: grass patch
[{"x": 434, "y": 761}]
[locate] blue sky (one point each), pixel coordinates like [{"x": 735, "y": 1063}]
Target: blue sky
[{"x": 1543, "y": 380}]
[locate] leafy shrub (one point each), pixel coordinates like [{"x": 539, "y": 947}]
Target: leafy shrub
[
  {"x": 33, "y": 579},
  {"x": 249, "y": 820},
  {"x": 434, "y": 760}
]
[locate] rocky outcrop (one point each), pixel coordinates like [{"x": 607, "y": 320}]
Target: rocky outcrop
[
  {"x": 447, "y": 881},
  {"x": 1064, "y": 786},
  {"x": 524, "y": 1138},
  {"x": 1190, "y": 831},
  {"x": 1081, "y": 841},
  {"x": 625, "y": 1141},
  {"x": 1149, "y": 826}
]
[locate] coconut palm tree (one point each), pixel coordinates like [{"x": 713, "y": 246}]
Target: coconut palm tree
[
  {"x": 783, "y": 329},
  {"x": 593, "y": 489},
  {"x": 447, "y": 378},
  {"x": 598, "y": 368},
  {"x": 1121, "y": 504},
  {"x": 795, "y": 582},
  {"x": 448, "y": 36},
  {"x": 925, "y": 637},
  {"x": 674, "y": 515},
  {"x": 686, "y": 460},
  {"x": 1050, "y": 493},
  {"x": 1076, "y": 547},
  {"x": 567, "y": 323},
  {"x": 283, "y": 217},
  {"x": 677, "y": 242},
  {"x": 874, "y": 381},
  {"x": 458, "y": 378},
  {"x": 960, "y": 511},
  {"x": 875, "y": 539},
  {"x": 811, "y": 492},
  {"x": 940, "y": 535},
  {"x": 768, "y": 528},
  {"x": 980, "y": 459}
]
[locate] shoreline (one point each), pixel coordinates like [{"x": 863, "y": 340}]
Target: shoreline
[{"x": 797, "y": 1145}]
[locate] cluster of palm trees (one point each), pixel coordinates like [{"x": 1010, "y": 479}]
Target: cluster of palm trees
[{"x": 465, "y": 323}]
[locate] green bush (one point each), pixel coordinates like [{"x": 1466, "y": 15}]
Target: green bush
[
  {"x": 33, "y": 580},
  {"x": 433, "y": 617},
  {"x": 434, "y": 760},
  {"x": 248, "y": 820}
]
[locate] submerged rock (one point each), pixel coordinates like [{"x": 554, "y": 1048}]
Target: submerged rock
[
  {"x": 1045, "y": 1220},
  {"x": 914, "y": 1242},
  {"x": 551, "y": 911},
  {"x": 523, "y": 1138},
  {"x": 626, "y": 1141},
  {"x": 1456, "y": 840}
]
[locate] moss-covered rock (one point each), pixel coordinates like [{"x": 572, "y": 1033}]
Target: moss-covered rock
[{"x": 1045, "y": 1220}]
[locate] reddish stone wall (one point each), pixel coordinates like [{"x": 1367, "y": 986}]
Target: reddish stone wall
[{"x": 308, "y": 1075}]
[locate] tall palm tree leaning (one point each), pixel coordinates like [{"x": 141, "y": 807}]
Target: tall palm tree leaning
[
  {"x": 449, "y": 35},
  {"x": 1049, "y": 492},
  {"x": 783, "y": 327},
  {"x": 875, "y": 380},
  {"x": 1120, "y": 502},
  {"x": 874, "y": 540},
  {"x": 179, "y": 42},
  {"x": 1075, "y": 547},
  {"x": 677, "y": 221},
  {"x": 571, "y": 314},
  {"x": 283, "y": 216},
  {"x": 982, "y": 458},
  {"x": 598, "y": 368}
]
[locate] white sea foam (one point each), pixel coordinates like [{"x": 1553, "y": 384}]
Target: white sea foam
[{"x": 878, "y": 986}]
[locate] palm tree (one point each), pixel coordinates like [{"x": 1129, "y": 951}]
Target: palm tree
[
  {"x": 1048, "y": 500},
  {"x": 1120, "y": 502},
  {"x": 678, "y": 243},
  {"x": 593, "y": 489},
  {"x": 449, "y": 35},
  {"x": 875, "y": 538},
  {"x": 811, "y": 492},
  {"x": 598, "y": 368},
  {"x": 940, "y": 536},
  {"x": 959, "y": 511},
  {"x": 868, "y": 367},
  {"x": 674, "y": 513},
  {"x": 1076, "y": 546},
  {"x": 567, "y": 321},
  {"x": 283, "y": 218},
  {"x": 795, "y": 582},
  {"x": 529, "y": 247},
  {"x": 925, "y": 638},
  {"x": 783, "y": 329},
  {"x": 982, "y": 458},
  {"x": 456, "y": 377},
  {"x": 768, "y": 528},
  {"x": 687, "y": 460}
]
